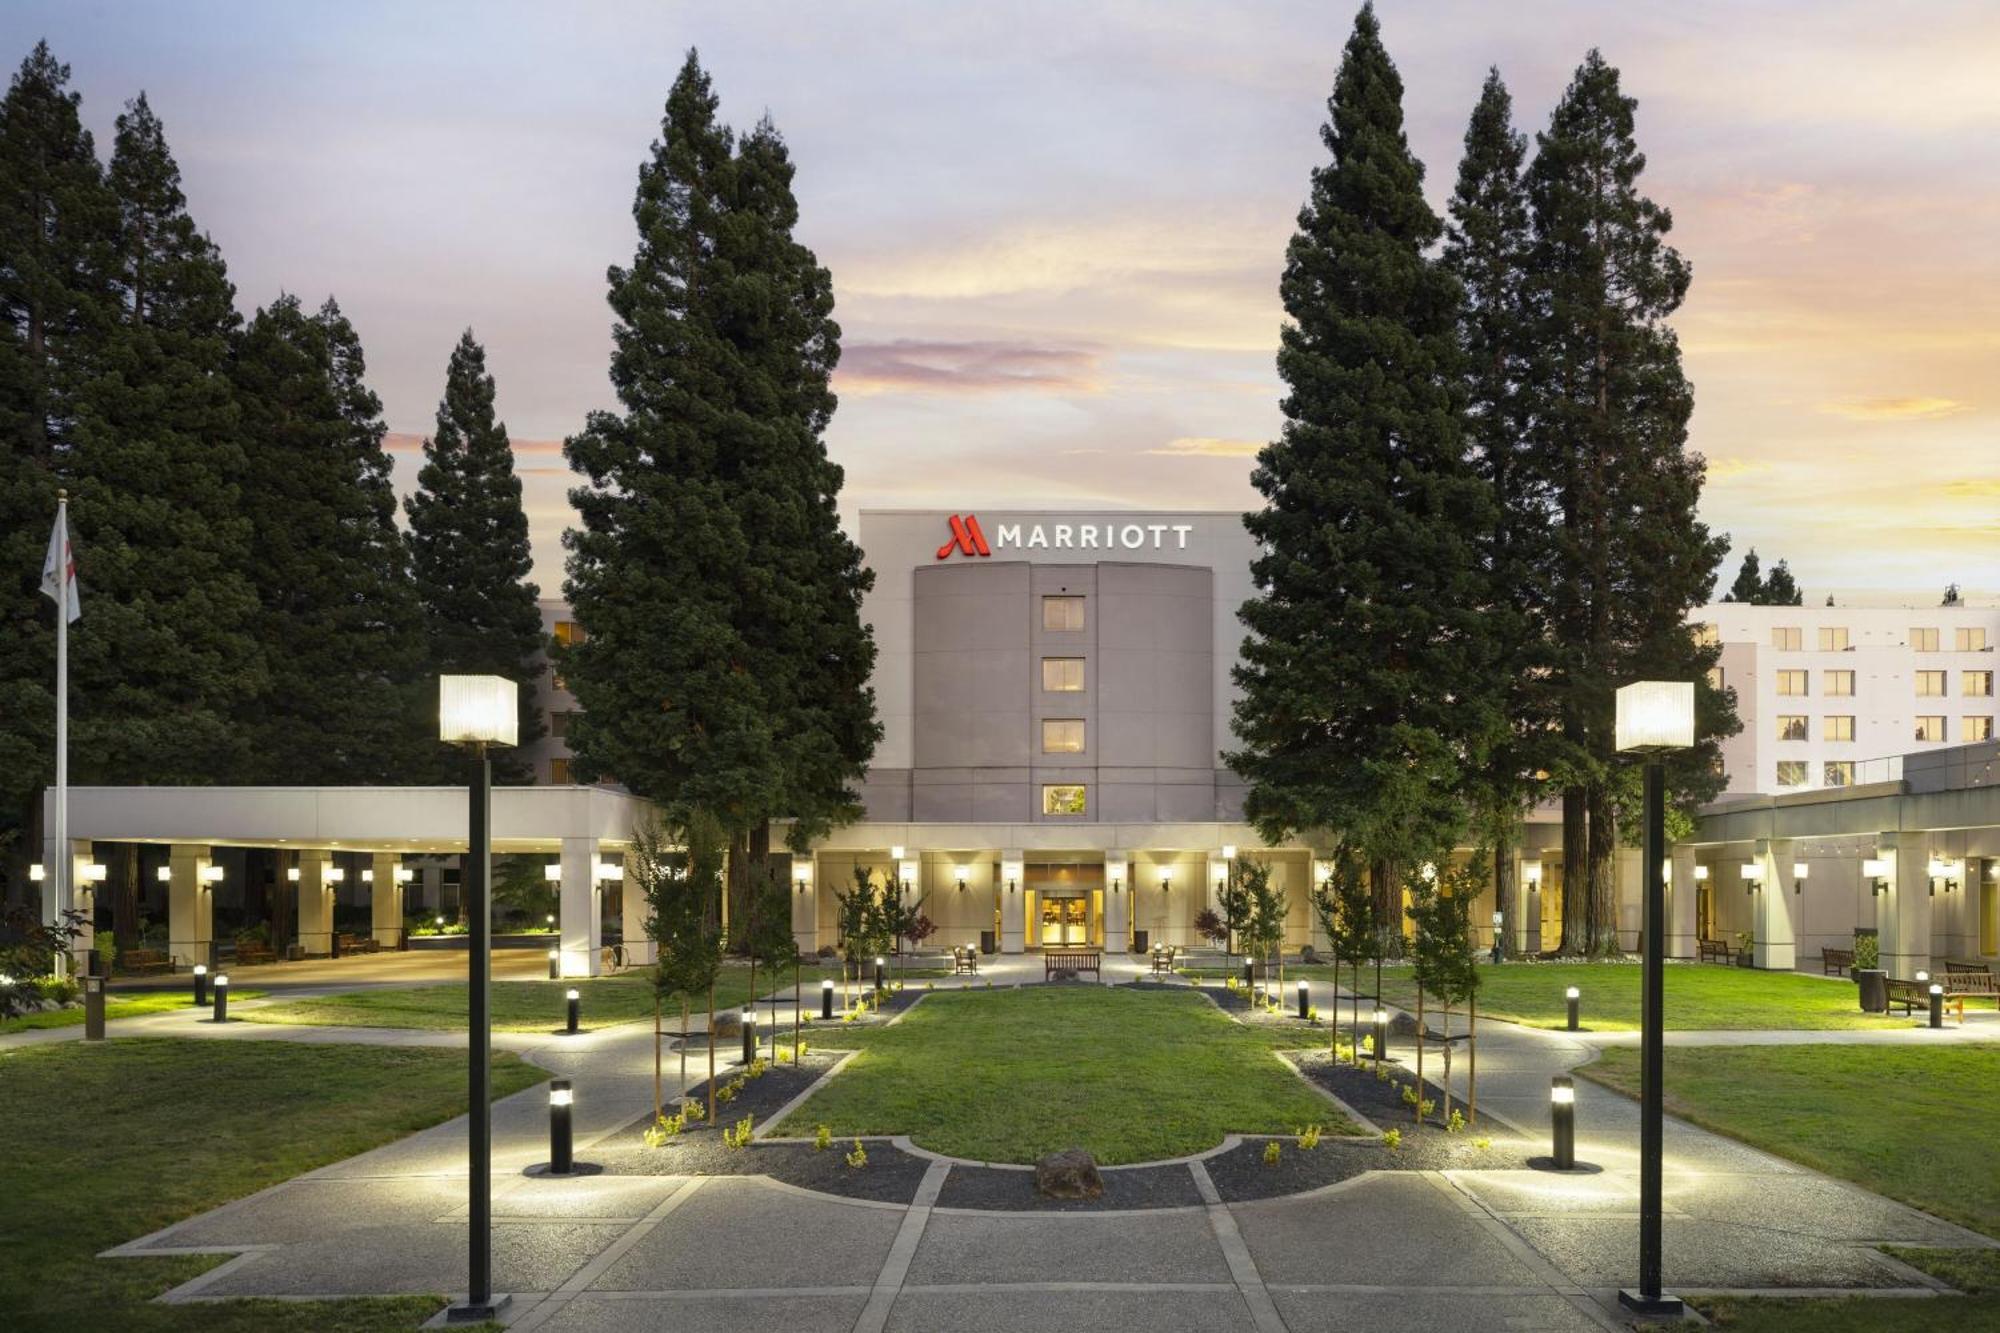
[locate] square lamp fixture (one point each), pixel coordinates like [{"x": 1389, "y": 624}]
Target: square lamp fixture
[
  {"x": 1876, "y": 867},
  {"x": 1229, "y": 851},
  {"x": 1753, "y": 871},
  {"x": 93, "y": 873},
  {"x": 552, "y": 872},
  {"x": 1655, "y": 715},
  {"x": 292, "y": 875},
  {"x": 961, "y": 874},
  {"x": 1701, "y": 872},
  {"x": 1531, "y": 873},
  {"x": 211, "y": 874},
  {"x": 610, "y": 872},
  {"x": 478, "y": 710},
  {"x": 404, "y": 874},
  {"x": 164, "y": 874}
]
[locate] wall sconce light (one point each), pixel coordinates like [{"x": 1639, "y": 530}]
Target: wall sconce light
[
  {"x": 1753, "y": 876},
  {"x": 1117, "y": 886},
  {"x": 1667, "y": 870},
  {"x": 1799, "y": 870},
  {"x": 802, "y": 875},
  {"x": 1322, "y": 872},
  {"x": 404, "y": 874},
  {"x": 368, "y": 875},
  {"x": 552, "y": 872},
  {"x": 1429, "y": 872},
  {"x": 292, "y": 875},
  {"x": 1166, "y": 879},
  {"x": 36, "y": 873},
  {"x": 1700, "y": 874},
  {"x": 1942, "y": 868},
  {"x": 1531, "y": 875},
  {"x": 1876, "y": 870},
  {"x": 164, "y": 874},
  {"x": 211, "y": 874},
  {"x": 609, "y": 872},
  {"x": 335, "y": 874},
  {"x": 961, "y": 874},
  {"x": 93, "y": 873}
]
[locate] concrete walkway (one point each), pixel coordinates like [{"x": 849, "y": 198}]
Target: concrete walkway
[{"x": 1466, "y": 1250}]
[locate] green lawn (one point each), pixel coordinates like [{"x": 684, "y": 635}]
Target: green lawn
[
  {"x": 1976, "y": 1272},
  {"x": 1904, "y": 1121},
  {"x": 129, "y": 1005},
  {"x": 519, "y": 1006},
  {"x": 1009, "y": 1075},
  {"x": 106, "y": 1143},
  {"x": 1699, "y": 997}
]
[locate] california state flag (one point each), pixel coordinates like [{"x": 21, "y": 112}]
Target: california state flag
[{"x": 59, "y": 572}]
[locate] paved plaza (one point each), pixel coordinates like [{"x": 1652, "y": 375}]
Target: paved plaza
[{"x": 1464, "y": 1249}]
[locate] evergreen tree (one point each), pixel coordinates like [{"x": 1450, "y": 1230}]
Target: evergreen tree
[
  {"x": 1364, "y": 693},
  {"x": 1779, "y": 589},
  {"x": 348, "y": 701},
  {"x": 58, "y": 223},
  {"x": 1611, "y": 411},
  {"x": 1749, "y": 587},
  {"x": 1488, "y": 242},
  {"x": 469, "y": 554}
]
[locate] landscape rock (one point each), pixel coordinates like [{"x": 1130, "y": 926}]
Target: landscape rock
[{"x": 1069, "y": 1174}]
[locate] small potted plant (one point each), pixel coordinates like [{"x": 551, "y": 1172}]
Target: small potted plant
[
  {"x": 1868, "y": 974},
  {"x": 1746, "y": 948}
]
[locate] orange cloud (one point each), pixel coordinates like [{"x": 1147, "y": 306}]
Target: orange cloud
[
  {"x": 1895, "y": 409},
  {"x": 1208, "y": 446}
]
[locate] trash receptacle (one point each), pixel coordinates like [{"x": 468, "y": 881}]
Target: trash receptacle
[
  {"x": 986, "y": 942},
  {"x": 1142, "y": 941}
]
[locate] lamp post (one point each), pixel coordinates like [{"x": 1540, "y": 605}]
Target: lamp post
[
  {"x": 478, "y": 711},
  {"x": 1653, "y": 717}
]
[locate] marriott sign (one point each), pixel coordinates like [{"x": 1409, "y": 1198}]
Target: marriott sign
[{"x": 969, "y": 539}]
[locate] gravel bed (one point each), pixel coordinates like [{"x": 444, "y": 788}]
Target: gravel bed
[{"x": 996, "y": 1189}]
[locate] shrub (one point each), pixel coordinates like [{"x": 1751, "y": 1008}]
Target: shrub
[
  {"x": 664, "y": 1128},
  {"x": 822, "y": 1138},
  {"x": 1392, "y": 1139},
  {"x": 1867, "y": 952},
  {"x": 1482, "y": 1143},
  {"x": 692, "y": 1110},
  {"x": 1455, "y": 1125},
  {"x": 1309, "y": 1138},
  {"x": 859, "y": 1157},
  {"x": 1271, "y": 1153},
  {"x": 737, "y": 1138}
]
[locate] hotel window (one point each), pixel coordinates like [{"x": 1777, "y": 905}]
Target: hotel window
[
  {"x": 568, "y": 632},
  {"x": 1792, "y": 682},
  {"x": 1789, "y": 638},
  {"x": 1840, "y": 727},
  {"x": 1062, "y": 800},
  {"x": 1971, "y": 640},
  {"x": 1833, "y": 638},
  {"x": 1062, "y": 735},
  {"x": 1706, "y": 636},
  {"x": 1976, "y": 684},
  {"x": 1924, "y": 640},
  {"x": 1836, "y": 684},
  {"x": 1063, "y": 675},
  {"x": 1062, "y": 613},
  {"x": 1791, "y": 726},
  {"x": 559, "y": 723},
  {"x": 1839, "y": 773},
  {"x": 1715, "y": 679},
  {"x": 1930, "y": 684},
  {"x": 559, "y": 772},
  {"x": 1930, "y": 727},
  {"x": 1791, "y": 772},
  {"x": 1977, "y": 729}
]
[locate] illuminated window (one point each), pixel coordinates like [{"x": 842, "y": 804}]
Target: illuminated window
[
  {"x": 1062, "y": 735},
  {"x": 1791, "y": 726},
  {"x": 1836, "y": 684},
  {"x": 559, "y": 772},
  {"x": 1706, "y": 636},
  {"x": 1930, "y": 684},
  {"x": 1063, "y": 800},
  {"x": 1840, "y": 728},
  {"x": 1791, "y": 772},
  {"x": 568, "y": 632},
  {"x": 1976, "y": 684},
  {"x": 1970, "y": 640},
  {"x": 1839, "y": 773},
  {"x": 1062, "y": 674},
  {"x": 1833, "y": 638},
  {"x": 1062, "y": 613},
  {"x": 1715, "y": 678},
  {"x": 1924, "y": 640},
  {"x": 1977, "y": 729},
  {"x": 1930, "y": 728},
  {"x": 1788, "y": 638},
  {"x": 1792, "y": 683}
]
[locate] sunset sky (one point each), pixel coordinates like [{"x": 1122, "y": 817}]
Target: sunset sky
[{"x": 1055, "y": 230}]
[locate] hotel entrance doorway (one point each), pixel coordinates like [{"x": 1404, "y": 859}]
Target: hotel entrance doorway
[
  {"x": 1065, "y": 920},
  {"x": 1065, "y": 904}
]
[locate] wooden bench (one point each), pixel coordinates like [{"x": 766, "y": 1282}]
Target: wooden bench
[
  {"x": 1714, "y": 951},
  {"x": 1964, "y": 977},
  {"x": 1071, "y": 960},
  {"x": 1916, "y": 995},
  {"x": 351, "y": 944},
  {"x": 1835, "y": 962},
  {"x": 964, "y": 960},
  {"x": 250, "y": 955},
  {"x": 143, "y": 962}
]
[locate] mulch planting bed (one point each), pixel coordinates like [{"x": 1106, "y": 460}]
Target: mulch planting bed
[
  {"x": 996, "y": 1189},
  {"x": 891, "y": 1175}
]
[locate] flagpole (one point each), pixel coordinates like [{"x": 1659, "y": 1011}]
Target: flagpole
[{"x": 65, "y": 863}]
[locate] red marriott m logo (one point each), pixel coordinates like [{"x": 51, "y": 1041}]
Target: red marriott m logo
[{"x": 966, "y": 538}]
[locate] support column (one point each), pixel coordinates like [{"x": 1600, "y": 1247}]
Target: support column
[
  {"x": 1682, "y": 895},
  {"x": 582, "y": 935},
  {"x": 315, "y": 903},
  {"x": 385, "y": 900},
  {"x": 1117, "y": 903},
  {"x": 1903, "y": 914},
  {"x": 1777, "y": 932},
  {"x": 639, "y": 951},
  {"x": 82, "y": 896},
  {"x": 1013, "y": 924},
  {"x": 190, "y": 906},
  {"x": 1527, "y": 903}
]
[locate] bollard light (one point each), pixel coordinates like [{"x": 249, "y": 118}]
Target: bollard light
[
  {"x": 1937, "y": 1005},
  {"x": 749, "y": 1034},
  {"x": 826, "y": 998},
  {"x": 222, "y": 998},
  {"x": 1249, "y": 975},
  {"x": 1562, "y": 1117},
  {"x": 93, "y": 1007},
  {"x": 555, "y": 964},
  {"x": 1573, "y": 997},
  {"x": 561, "y": 1140},
  {"x": 1304, "y": 1004},
  {"x": 879, "y": 976},
  {"x": 574, "y": 999},
  {"x": 1381, "y": 1035},
  {"x": 200, "y": 985}
]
